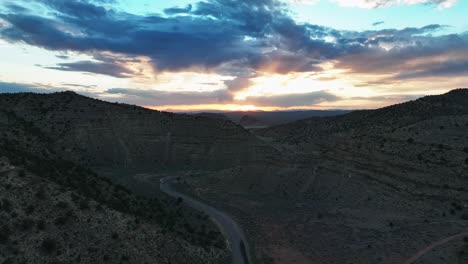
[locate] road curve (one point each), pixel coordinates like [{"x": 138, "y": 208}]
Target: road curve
[
  {"x": 229, "y": 228},
  {"x": 432, "y": 246}
]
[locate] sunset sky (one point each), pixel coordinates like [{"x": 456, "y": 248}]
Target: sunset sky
[{"x": 186, "y": 55}]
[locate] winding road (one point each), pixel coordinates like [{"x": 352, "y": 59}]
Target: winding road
[
  {"x": 434, "y": 245},
  {"x": 229, "y": 228}
]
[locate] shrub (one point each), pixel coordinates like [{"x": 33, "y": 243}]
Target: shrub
[
  {"x": 6, "y": 205},
  {"x": 41, "y": 194},
  {"x": 40, "y": 225},
  {"x": 115, "y": 235},
  {"x": 26, "y": 224},
  {"x": 48, "y": 246},
  {"x": 84, "y": 204},
  {"x": 62, "y": 205},
  {"x": 61, "y": 220},
  {"x": 29, "y": 209},
  {"x": 4, "y": 234}
]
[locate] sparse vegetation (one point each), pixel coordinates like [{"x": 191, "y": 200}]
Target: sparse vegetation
[{"x": 49, "y": 245}]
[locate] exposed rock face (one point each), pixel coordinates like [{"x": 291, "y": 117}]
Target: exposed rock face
[{"x": 97, "y": 133}]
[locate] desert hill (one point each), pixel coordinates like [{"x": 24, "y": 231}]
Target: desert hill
[
  {"x": 97, "y": 133},
  {"x": 370, "y": 186},
  {"x": 54, "y": 209}
]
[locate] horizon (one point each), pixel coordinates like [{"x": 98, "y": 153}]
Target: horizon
[{"x": 220, "y": 55}]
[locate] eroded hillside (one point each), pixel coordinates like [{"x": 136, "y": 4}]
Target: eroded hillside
[
  {"x": 55, "y": 210},
  {"x": 371, "y": 186},
  {"x": 97, "y": 133}
]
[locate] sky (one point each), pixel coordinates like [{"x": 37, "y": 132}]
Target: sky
[{"x": 184, "y": 55}]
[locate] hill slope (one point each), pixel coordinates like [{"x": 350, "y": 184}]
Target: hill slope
[
  {"x": 52, "y": 209},
  {"x": 97, "y": 133},
  {"x": 366, "y": 187}
]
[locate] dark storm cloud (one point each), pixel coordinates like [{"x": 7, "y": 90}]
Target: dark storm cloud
[
  {"x": 178, "y": 10},
  {"x": 81, "y": 9},
  {"x": 213, "y": 34},
  {"x": 110, "y": 69}
]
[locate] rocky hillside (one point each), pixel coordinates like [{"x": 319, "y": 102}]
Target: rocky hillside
[
  {"x": 56, "y": 211},
  {"x": 370, "y": 186},
  {"x": 96, "y": 133},
  {"x": 387, "y": 119},
  {"x": 42, "y": 221}
]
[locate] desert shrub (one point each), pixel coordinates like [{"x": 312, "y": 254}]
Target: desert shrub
[
  {"x": 84, "y": 204},
  {"x": 40, "y": 225},
  {"x": 30, "y": 209},
  {"x": 61, "y": 220},
  {"x": 115, "y": 235},
  {"x": 62, "y": 205},
  {"x": 48, "y": 246},
  {"x": 4, "y": 233},
  {"x": 26, "y": 224},
  {"x": 6, "y": 205},
  {"x": 41, "y": 194}
]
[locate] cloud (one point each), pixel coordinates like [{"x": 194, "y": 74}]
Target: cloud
[
  {"x": 26, "y": 88},
  {"x": 214, "y": 33},
  {"x": 305, "y": 2},
  {"x": 178, "y": 10},
  {"x": 447, "y": 68},
  {"x": 292, "y": 100},
  {"x": 110, "y": 69},
  {"x": 242, "y": 39},
  {"x": 161, "y": 98},
  {"x": 238, "y": 83},
  {"x": 398, "y": 53},
  {"x": 387, "y": 3}
]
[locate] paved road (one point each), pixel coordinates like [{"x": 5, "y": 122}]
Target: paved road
[
  {"x": 432, "y": 246},
  {"x": 229, "y": 228}
]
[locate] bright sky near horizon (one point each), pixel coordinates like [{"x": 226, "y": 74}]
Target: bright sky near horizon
[{"x": 228, "y": 55}]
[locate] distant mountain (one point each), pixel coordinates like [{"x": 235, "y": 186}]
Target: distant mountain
[
  {"x": 270, "y": 118},
  {"x": 248, "y": 121}
]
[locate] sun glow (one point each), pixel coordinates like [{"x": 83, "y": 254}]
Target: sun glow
[{"x": 210, "y": 107}]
